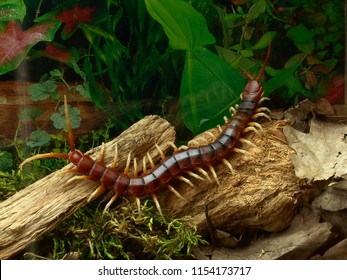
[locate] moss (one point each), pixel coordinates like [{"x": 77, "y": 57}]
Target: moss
[{"x": 124, "y": 233}]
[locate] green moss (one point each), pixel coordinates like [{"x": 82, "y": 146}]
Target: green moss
[{"x": 124, "y": 233}]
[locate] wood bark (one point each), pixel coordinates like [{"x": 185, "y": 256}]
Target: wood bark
[{"x": 40, "y": 207}]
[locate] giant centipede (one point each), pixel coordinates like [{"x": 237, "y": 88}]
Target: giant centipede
[{"x": 183, "y": 161}]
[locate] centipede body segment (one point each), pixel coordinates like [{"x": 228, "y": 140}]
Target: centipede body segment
[{"x": 197, "y": 162}]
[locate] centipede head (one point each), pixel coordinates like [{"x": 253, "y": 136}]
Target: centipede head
[{"x": 253, "y": 89}]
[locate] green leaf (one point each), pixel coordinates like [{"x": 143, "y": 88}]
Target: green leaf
[
  {"x": 30, "y": 114},
  {"x": 185, "y": 27},
  {"x": 12, "y": 10},
  {"x": 265, "y": 40},
  {"x": 286, "y": 77},
  {"x": 59, "y": 121},
  {"x": 232, "y": 17},
  {"x": 295, "y": 60},
  {"x": 56, "y": 74},
  {"x": 256, "y": 10},
  {"x": 38, "y": 138},
  {"x": 6, "y": 160},
  {"x": 15, "y": 43},
  {"x": 300, "y": 34},
  {"x": 42, "y": 90},
  {"x": 209, "y": 87}
]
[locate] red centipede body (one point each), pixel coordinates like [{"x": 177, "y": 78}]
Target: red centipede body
[{"x": 174, "y": 166}]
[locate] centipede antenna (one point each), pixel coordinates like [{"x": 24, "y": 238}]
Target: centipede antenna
[
  {"x": 203, "y": 172},
  {"x": 262, "y": 71},
  {"x": 214, "y": 174},
  {"x": 161, "y": 153},
  {"x": 194, "y": 175},
  {"x": 100, "y": 189},
  {"x": 186, "y": 180},
  {"x": 155, "y": 199},
  {"x": 176, "y": 193},
  {"x": 150, "y": 160},
  {"x": 48, "y": 155},
  {"x": 228, "y": 164},
  {"x": 127, "y": 166},
  {"x": 102, "y": 153},
  {"x": 135, "y": 167},
  {"x": 68, "y": 123}
]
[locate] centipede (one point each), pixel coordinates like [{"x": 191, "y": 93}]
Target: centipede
[{"x": 198, "y": 162}]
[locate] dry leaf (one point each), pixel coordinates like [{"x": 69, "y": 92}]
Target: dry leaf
[
  {"x": 337, "y": 252},
  {"x": 332, "y": 199},
  {"x": 301, "y": 240},
  {"x": 320, "y": 154}
]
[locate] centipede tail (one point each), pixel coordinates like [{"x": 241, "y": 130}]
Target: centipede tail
[{"x": 184, "y": 161}]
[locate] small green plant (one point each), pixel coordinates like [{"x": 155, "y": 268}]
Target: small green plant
[{"x": 124, "y": 233}]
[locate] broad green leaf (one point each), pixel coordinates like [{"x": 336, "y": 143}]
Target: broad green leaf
[
  {"x": 6, "y": 160},
  {"x": 256, "y": 10},
  {"x": 286, "y": 77},
  {"x": 12, "y": 10},
  {"x": 185, "y": 27},
  {"x": 59, "y": 121},
  {"x": 265, "y": 40},
  {"x": 42, "y": 90},
  {"x": 300, "y": 34},
  {"x": 209, "y": 87},
  {"x": 30, "y": 114},
  {"x": 38, "y": 138},
  {"x": 295, "y": 60},
  {"x": 232, "y": 17},
  {"x": 16, "y": 43}
]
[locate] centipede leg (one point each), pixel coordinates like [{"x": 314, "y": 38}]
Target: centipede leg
[
  {"x": 138, "y": 203},
  {"x": 243, "y": 140},
  {"x": 155, "y": 199},
  {"x": 214, "y": 174},
  {"x": 161, "y": 153},
  {"x": 203, "y": 172},
  {"x": 127, "y": 166},
  {"x": 184, "y": 179},
  {"x": 99, "y": 191},
  {"x": 113, "y": 199},
  {"x": 194, "y": 175},
  {"x": 228, "y": 164},
  {"x": 171, "y": 188}
]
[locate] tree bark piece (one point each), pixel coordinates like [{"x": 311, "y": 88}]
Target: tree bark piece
[
  {"x": 37, "y": 209},
  {"x": 261, "y": 193}
]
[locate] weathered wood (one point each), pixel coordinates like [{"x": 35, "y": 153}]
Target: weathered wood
[
  {"x": 261, "y": 193},
  {"x": 38, "y": 208},
  {"x": 14, "y": 98}
]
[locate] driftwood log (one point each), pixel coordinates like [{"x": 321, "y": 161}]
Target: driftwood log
[
  {"x": 40, "y": 207},
  {"x": 262, "y": 192}
]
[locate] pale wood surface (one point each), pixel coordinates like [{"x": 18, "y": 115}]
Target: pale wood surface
[{"x": 38, "y": 208}]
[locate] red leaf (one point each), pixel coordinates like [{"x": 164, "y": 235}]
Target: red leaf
[
  {"x": 74, "y": 16},
  {"x": 58, "y": 53},
  {"x": 16, "y": 43},
  {"x": 336, "y": 90}
]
